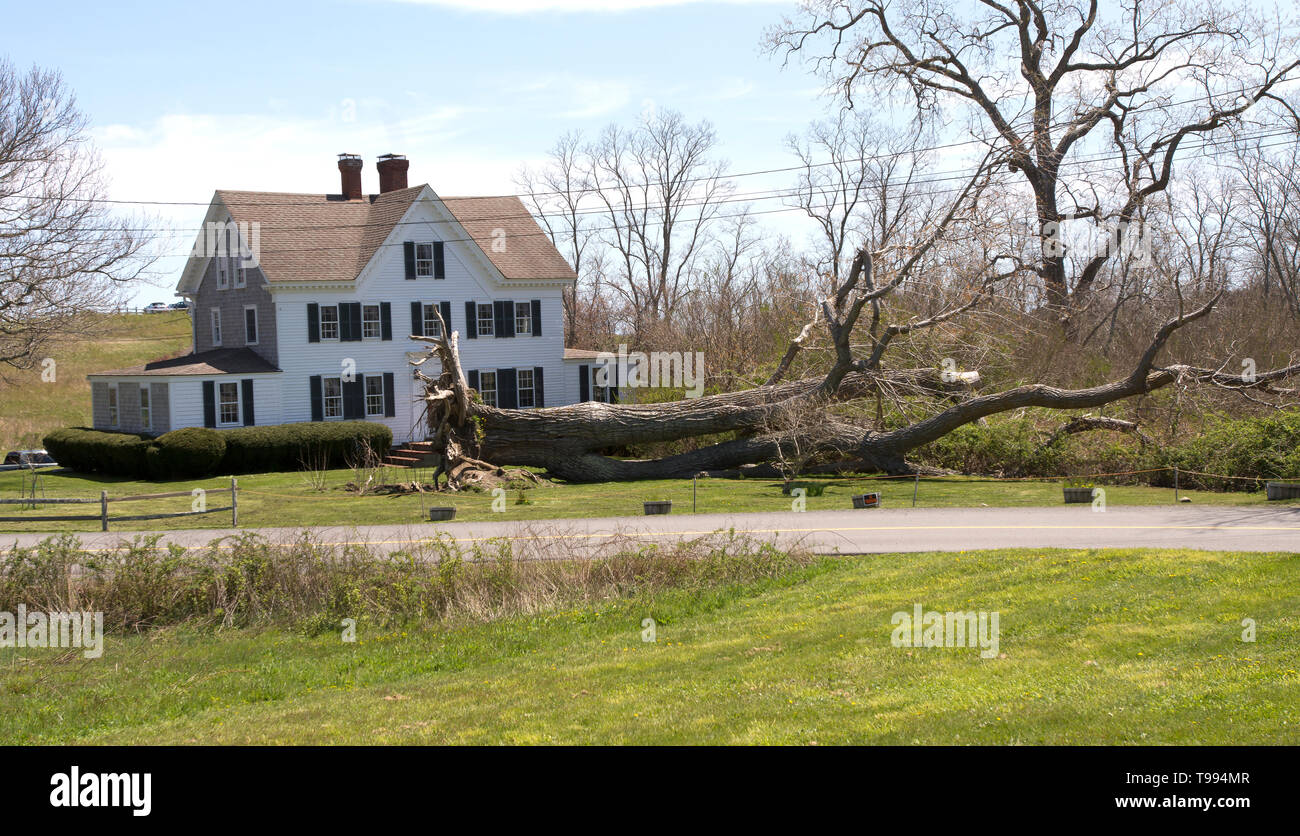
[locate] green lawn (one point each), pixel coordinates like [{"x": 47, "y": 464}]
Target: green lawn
[
  {"x": 1120, "y": 647},
  {"x": 31, "y": 406},
  {"x": 285, "y": 499}
]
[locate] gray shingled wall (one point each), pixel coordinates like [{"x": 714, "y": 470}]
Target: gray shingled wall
[{"x": 231, "y": 302}]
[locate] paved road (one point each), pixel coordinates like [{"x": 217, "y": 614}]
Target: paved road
[{"x": 828, "y": 532}]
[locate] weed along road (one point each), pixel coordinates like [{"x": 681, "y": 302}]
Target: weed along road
[{"x": 826, "y": 532}]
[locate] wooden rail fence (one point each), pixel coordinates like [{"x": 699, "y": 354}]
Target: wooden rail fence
[{"x": 104, "y": 500}]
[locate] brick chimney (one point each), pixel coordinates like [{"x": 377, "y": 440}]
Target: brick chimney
[
  {"x": 350, "y": 170},
  {"x": 392, "y": 172}
]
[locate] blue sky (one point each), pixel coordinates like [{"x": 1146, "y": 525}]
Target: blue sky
[{"x": 187, "y": 98}]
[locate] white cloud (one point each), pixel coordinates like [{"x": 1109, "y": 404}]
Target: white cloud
[{"x": 515, "y": 7}]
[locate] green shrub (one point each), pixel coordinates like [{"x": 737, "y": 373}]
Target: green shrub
[
  {"x": 189, "y": 453},
  {"x": 95, "y": 451},
  {"x": 196, "y": 452},
  {"x": 295, "y": 446}
]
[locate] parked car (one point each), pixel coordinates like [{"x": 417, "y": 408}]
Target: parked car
[
  {"x": 181, "y": 305},
  {"x": 156, "y": 307},
  {"x": 28, "y": 458}
]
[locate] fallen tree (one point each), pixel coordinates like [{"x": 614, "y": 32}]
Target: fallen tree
[{"x": 567, "y": 441}]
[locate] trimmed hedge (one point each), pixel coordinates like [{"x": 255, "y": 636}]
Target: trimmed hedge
[
  {"x": 189, "y": 453},
  {"x": 95, "y": 451},
  {"x": 292, "y": 446},
  {"x": 196, "y": 452}
]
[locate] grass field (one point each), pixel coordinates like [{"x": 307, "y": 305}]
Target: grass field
[
  {"x": 286, "y": 499},
  {"x": 1116, "y": 647},
  {"x": 30, "y": 407}
]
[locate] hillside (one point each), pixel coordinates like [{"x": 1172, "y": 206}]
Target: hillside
[{"x": 29, "y": 407}]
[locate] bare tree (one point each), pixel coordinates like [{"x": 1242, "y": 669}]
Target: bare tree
[
  {"x": 62, "y": 253},
  {"x": 1055, "y": 84},
  {"x": 661, "y": 190}
]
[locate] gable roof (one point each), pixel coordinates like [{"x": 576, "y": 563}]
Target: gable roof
[
  {"x": 528, "y": 252},
  {"x": 216, "y": 361},
  {"x": 326, "y": 238},
  {"x": 317, "y": 238}
]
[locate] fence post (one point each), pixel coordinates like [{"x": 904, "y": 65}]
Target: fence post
[
  {"x": 916, "y": 485},
  {"x": 234, "y": 502},
  {"x": 693, "y": 478},
  {"x": 103, "y": 510}
]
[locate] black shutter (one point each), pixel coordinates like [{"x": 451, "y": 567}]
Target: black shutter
[
  {"x": 390, "y": 400},
  {"x": 317, "y": 401},
  {"x": 354, "y": 314},
  {"x": 439, "y": 266},
  {"x": 473, "y": 379},
  {"x": 345, "y": 323},
  {"x": 507, "y": 390},
  {"x": 313, "y": 322},
  {"x": 539, "y": 398},
  {"x": 385, "y": 320},
  {"x": 584, "y": 383},
  {"x": 499, "y": 319},
  {"x": 509, "y": 310},
  {"x": 471, "y": 322},
  {"x": 417, "y": 319},
  {"x": 537, "y": 317},
  {"x": 445, "y": 307},
  {"x": 209, "y": 403},
  {"x": 354, "y": 399},
  {"x": 408, "y": 249},
  {"x": 247, "y": 385}
]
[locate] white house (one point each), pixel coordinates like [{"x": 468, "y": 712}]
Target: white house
[{"x": 302, "y": 305}]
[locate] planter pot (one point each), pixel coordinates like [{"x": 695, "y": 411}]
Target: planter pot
[
  {"x": 867, "y": 500},
  {"x": 441, "y": 514},
  {"x": 1073, "y": 495},
  {"x": 1282, "y": 490},
  {"x": 658, "y": 507}
]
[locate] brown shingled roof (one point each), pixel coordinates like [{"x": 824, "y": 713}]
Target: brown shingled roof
[
  {"x": 312, "y": 238},
  {"x": 528, "y": 251},
  {"x": 216, "y": 361},
  {"x": 315, "y": 238}
]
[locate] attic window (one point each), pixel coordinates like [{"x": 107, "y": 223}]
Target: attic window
[
  {"x": 424, "y": 260},
  {"x": 429, "y": 261}
]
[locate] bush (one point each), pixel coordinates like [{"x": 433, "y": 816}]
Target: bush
[
  {"x": 288, "y": 446},
  {"x": 96, "y": 451},
  {"x": 195, "y": 452},
  {"x": 189, "y": 453}
]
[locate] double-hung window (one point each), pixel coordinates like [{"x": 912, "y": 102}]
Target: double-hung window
[
  {"x": 523, "y": 318},
  {"x": 600, "y": 393},
  {"x": 370, "y": 328},
  {"x": 332, "y": 396},
  {"x": 228, "y": 404},
  {"x": 487, "y": 387},
  {"x": 485, "y": 321},
  {"x": 375, "y": 395},
  {"x": 329, "y": 322},
  {"x": 432, "y": 325},
  {"x": 424, "y": 260},
  {"x": 216, "y": 326},
  {"x": 112, "y": 404},
  {"x": 146, "y": 413},
  {"x": 524, "y": 384}
]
